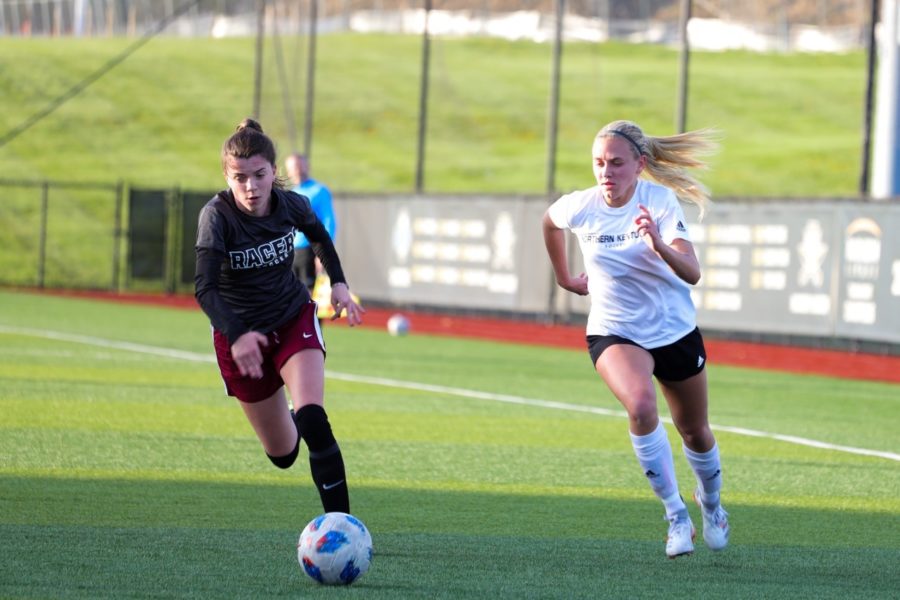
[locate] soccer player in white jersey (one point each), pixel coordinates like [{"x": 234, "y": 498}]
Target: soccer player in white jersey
[{"x": 639, "y": 266}]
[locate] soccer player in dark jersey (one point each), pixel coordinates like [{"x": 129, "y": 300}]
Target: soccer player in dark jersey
[{"x": 265, "y": 330}]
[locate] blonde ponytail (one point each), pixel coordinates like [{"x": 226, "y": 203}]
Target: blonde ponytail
[{"x": 670, "y": 157}]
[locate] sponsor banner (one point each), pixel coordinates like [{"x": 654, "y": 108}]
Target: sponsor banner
[
  {"x": 474, "y": 252},
  {"x": 811, "y": 268},
  {"x": 766, "y": 268},
  {"x": 868, "y": 294}
]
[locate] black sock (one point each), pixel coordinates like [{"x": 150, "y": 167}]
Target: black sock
[
  {"x": 325, "y": 460},
  {"x": 284, "y": 462}
]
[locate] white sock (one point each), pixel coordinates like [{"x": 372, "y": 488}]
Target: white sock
[
  {"x": 655, "y": 456},
  {"x": 708, "y": 471}
]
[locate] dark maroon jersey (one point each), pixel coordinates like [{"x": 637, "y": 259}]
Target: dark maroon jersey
[{"x": 244, "y": 279}]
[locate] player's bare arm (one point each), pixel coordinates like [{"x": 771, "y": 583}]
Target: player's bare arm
[
  {"x": 555, "y": 240},
  {"x": 679, "y": 255}
]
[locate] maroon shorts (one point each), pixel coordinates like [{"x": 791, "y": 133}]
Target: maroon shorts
[{"x": 300, "y": 333}]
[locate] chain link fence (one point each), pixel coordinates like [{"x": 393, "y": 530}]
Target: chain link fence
[
  {"x": 97, "y": 236},
  {"x": 108, "y": 236},
  {"x": 58, "y": 234},
  {"x": 817, "y": 25}
]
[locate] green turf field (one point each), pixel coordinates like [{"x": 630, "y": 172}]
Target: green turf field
[
  {"x": 791, "y": 123},
  {"x": 125, "y": 472}
]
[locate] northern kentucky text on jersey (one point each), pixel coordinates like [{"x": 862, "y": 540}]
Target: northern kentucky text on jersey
[
  {"x": 608, "y": 238},
  {"x": 264, "y": 255}
]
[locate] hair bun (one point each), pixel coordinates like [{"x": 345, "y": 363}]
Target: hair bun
[{"x": 249, "y": 124}]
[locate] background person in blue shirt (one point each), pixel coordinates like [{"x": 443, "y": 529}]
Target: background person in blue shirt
[{"x": 305, "y": 263}]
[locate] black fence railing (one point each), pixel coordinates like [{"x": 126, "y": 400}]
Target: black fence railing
[
  {"x": 82, "y": 235},
  {"x": 61, "y": 234}
]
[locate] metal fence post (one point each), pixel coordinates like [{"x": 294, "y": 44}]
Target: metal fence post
[
  {"x": 258, "y": 67},
  {"x": 423, "y": 102},
  {"x": 310, "y": 79},
  {"x": 683, "y": 62},
  {"x": 117, "y": 236},
  {"x": 170, "y": 252},
  {"x": 553, "y": 108},
  {"x": 42, "y": 249}
]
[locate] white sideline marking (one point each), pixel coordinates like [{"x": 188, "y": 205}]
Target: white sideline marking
[
  {"x": 791, "y": 439},
  {"x": 104, "y": 343},
  {"x": 438, "y": 389}
]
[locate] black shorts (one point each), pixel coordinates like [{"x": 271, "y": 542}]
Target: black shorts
[{"x": 676, "y": 362}]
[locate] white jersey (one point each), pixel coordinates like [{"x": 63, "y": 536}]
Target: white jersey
[{"x": 634, "y": 293}]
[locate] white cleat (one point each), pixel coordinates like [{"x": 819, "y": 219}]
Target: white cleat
[
  {"x": 680, "y": 541},
  {"x": 715, "y": 525}
]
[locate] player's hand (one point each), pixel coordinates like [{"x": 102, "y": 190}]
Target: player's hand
[
  {"x": 247, "y": 354},
  {"x": 647, "y": 229},
  {"x": 342, "y": 301},
  {"x": 576, "y": 285}
]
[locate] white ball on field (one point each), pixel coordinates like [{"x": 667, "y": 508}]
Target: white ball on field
[
  {"x": 398, "y": 325},
  {"x": 335, "y": 549}
]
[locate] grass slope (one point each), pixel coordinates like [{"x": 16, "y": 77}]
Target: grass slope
[
  {"x": 790, "y": 123},
  {"x": 129, "y": 474}
]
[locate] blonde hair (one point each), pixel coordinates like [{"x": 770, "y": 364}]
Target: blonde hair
[{"x": 669, "y": 157}]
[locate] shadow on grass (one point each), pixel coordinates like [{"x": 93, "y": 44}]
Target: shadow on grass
[{"x": 68, "y": 538}]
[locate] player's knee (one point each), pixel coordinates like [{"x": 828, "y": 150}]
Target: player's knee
[
  {"x": 696, "y": 435},
  {"x": 643, "y": 412}
]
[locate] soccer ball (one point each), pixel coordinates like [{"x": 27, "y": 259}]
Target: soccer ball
[
  {"x": 398, "y": 325},
  {"x": 335, "y": 549}
]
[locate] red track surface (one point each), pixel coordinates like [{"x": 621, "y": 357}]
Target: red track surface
[{"x": 852, "y": 365}]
